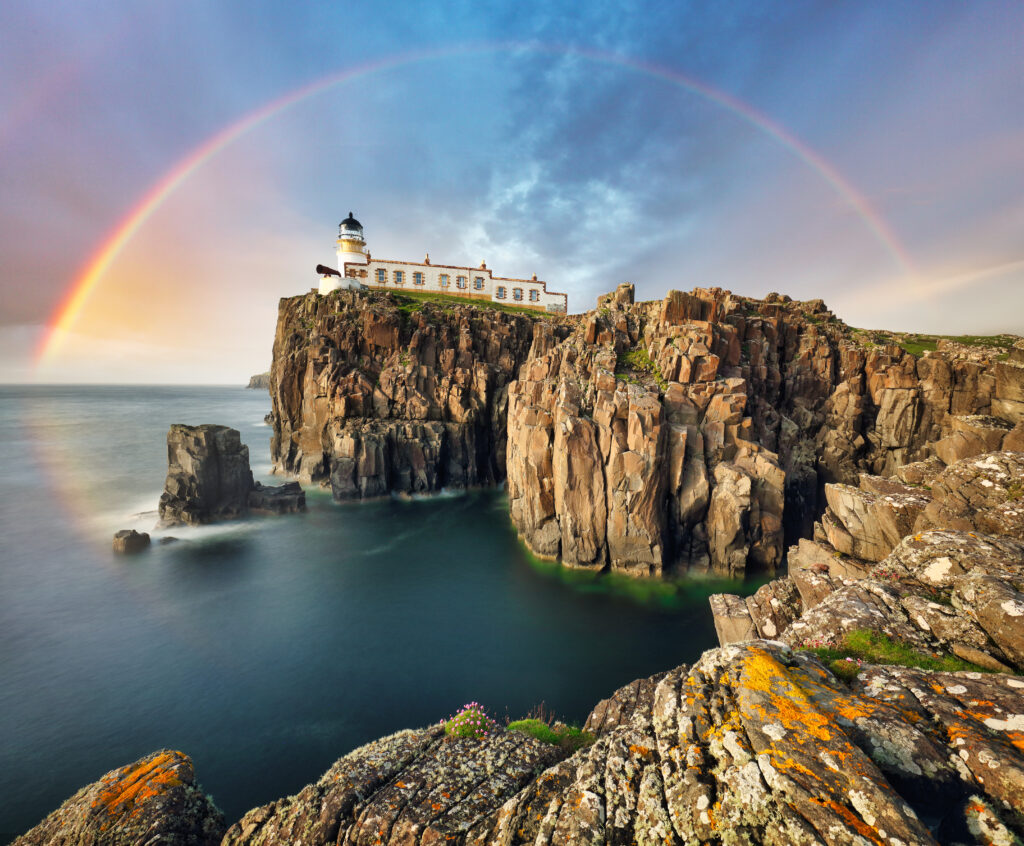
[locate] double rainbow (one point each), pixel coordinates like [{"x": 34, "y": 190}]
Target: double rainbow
[{"x": 99, "y": 262}]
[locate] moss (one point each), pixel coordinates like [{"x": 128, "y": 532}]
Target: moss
[
  {"x": 567, "y": 737},
  {"x": 1014, "y": 491},
  {"x": 638, "y": 361},
  {"x": 870, "y": 647}
]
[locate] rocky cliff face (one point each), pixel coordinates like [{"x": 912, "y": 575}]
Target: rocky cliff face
[
  {"x": 371, "y": 395},
  {"x": 692, "y": 433},
  {"x": 696, "y": 433}
]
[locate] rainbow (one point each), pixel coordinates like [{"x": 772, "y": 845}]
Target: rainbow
[{"x": 92, "y": 272}]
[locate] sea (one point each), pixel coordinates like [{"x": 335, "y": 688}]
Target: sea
[{"x": 266, "y": 648}]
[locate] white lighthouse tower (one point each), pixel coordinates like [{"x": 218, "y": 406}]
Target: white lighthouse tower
[
  {"x": 351, "y": 250},
  {"x": 351, "y": 245}
]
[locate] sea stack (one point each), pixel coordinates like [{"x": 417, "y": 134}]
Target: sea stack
[{"x": 208, "y": 475}]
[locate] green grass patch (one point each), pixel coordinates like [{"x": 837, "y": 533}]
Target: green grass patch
[
  {"x": 637, "y": 361},
  {"x": 413, "y": 301},
  {"x": 568, "y": 737},
  {"x": 864, "y": 646}
]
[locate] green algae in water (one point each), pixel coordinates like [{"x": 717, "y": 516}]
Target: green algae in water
[{"x": 664, "y": 594}]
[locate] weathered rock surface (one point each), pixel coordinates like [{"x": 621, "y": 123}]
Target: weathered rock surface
[
  {"x": 130, "y": 542},
  {"x": 984, "y": 494},
  {"x": 288, "y": 498},
  {"x": 208, "y": 479},
  {"x": 754, "y": 744},
  {"x": 371, "y": 398},
  {"x": 692, "y": 433},
  {"x": 208, "y": 475},
  {"x": 156, "y": 800},
  {"x": 416, "y": 787}
]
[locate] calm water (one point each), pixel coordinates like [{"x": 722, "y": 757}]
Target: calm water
[{"x": 266, "y": 648}]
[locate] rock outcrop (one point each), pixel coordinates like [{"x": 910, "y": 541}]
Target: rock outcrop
[
  {"x": 372, "y": 395},
  {"x": 260, "y": 382},
  {"x": 755, "y": 743},
  {"x": 130, "y": 542},
  {"x": 208, "y": 479},
  {"x": 693, "y": 433},
  {"x": 156, "y": 800}
]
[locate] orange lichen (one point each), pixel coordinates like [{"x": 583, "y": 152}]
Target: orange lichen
[
  {"x": 132, "y": 787},
  {"x": 792, "y": 707},
  {"x": 850, "y": 818}
]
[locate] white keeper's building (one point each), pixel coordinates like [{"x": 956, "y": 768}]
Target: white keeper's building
[{"x": 356, "y": 269}]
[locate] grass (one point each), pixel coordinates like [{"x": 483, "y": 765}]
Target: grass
[
  {"x": 559, "y": 734},
  {"x": 638, "y": 361},
  {"x": 412, "y": 301},
  {"x": 918, "y": 345},
  {"x": 1014, "y": 491},
  {"x": 864, "y": 646}
]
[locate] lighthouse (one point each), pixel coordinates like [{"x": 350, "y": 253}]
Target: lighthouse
[
  {"x": 351, "y": 245},
  {"x": 359, "y": 271}
]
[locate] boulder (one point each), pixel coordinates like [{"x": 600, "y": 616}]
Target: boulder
[
  {"x": 733, "y": 623},
  {"x": 208, "y": 475},
  {"x": 156, "y": 800},
  {"x": 130, "y": 542}
]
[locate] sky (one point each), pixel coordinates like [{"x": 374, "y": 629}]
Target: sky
[{"x": 190, "y": 161}]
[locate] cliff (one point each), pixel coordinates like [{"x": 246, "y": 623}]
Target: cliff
[
  {"x": 261, "y": 381},
  {"x": 371, "y": 394},
  {"x": 694, "y": 433}
]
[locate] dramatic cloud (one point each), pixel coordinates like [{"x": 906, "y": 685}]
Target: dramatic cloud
[{"x": 561, "y": 139}]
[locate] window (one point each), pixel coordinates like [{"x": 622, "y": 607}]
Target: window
[
  {"x": 399, "y": 277},
  {"x": 500, "y": 293},
  {"x": 460, "y": 281},
  {"x": 478, "y": 283},
  {"x": 417, "y": 278},
  {"x": 382, "y": 276},
  {"x": 534, "y": 296},
  {"x": 444, "y": 280},
  {"x": 517, "y": 293}
]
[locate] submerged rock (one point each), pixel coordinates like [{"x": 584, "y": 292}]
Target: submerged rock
[
  {"x": 130, "y": 542},
  {"x": 156, "y": 800}
]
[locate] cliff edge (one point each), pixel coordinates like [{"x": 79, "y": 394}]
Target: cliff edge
[{"x": 694, "y": 433}]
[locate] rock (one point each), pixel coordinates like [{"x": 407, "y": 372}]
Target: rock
[
  {"x": 869, "y": 525},
  {"x": 208, "y": 476},
  {"x": 733, "y": 623},
  {"x": 411, "y": 787},
  {"x": 982, "y": 494},
  {"x": 920, "y": 473},
  {"x": 261, "y": 381},
  {"x": 156, "y": 800},
  {"x": 1014, "y": 440},
  {"x": 759, "y": 744},
  {"x": 618, "y": 710},
  {"x": 623, "y": 295},
  {"x": 691, "y": 434},
  {"x": 282, "y": 499},
  {"x": 130, "y": 542}
]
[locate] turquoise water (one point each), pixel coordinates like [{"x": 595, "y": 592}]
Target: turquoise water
[{"x": 267, "y": 648}]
